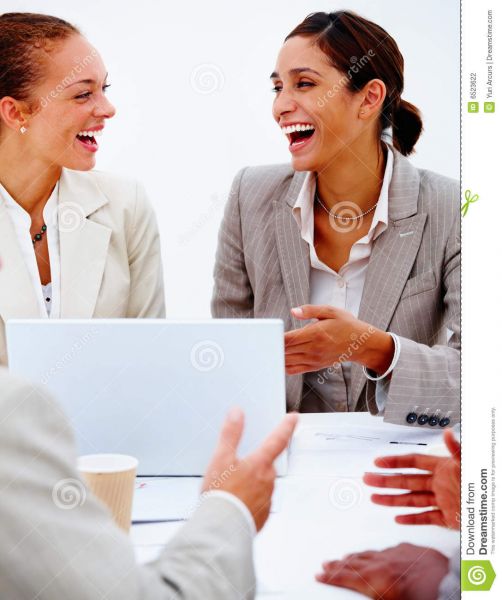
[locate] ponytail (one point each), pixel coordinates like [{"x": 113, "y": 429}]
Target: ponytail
[{"x": 406, "y": 127}]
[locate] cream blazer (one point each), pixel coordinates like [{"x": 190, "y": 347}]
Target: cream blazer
[{"x": 110, "y": 254}]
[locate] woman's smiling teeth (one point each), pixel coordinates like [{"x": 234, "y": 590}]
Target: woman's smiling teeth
[
  {"x": 297, "y": 127},
  {"x": 298, "y": 134},
  {"x": 90, "y": 133},
  {"x": 88, "y": 138}
]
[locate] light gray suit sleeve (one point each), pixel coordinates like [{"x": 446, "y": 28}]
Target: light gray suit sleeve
[
  {"x": 58, "y": 542},
  {"x": 450, "y": 586},
  {"x": 232, "y": 292},
  {"x": 430, "y": 376}
]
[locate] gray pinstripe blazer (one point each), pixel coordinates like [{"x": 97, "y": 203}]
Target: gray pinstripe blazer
[{"x": 412, "y": 285}]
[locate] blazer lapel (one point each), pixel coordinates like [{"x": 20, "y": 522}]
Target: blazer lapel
[
  {"x": 392, "y": 257},
  {"x": 17, "y": 297},
  {"x": 83, "y": 244},
  {"x": 293, "y": 250}
]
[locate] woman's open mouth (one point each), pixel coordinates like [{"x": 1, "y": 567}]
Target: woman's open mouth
[
  {"x": 299, "y": 135},
  {"x": 87, "y": 139}
]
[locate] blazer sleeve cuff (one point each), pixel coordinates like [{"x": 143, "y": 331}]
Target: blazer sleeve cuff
[
  {"x": 425, "y": 381},
  {"x": 372, "y": 376},
  {"x": 238, "y": 503}
]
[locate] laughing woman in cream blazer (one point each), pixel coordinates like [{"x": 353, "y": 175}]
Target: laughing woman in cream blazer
[
  {"x": 75, "y": 243},
  {"x": 352, "y": 246}
]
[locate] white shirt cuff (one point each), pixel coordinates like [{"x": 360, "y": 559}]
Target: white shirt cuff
[
  {"x": 397, "y": 352},
  {"x": 381, "y": 395},
  {"x": 246, "y": 513}
]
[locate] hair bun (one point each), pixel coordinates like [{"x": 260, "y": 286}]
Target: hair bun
[{"x": 406, "y": 126}]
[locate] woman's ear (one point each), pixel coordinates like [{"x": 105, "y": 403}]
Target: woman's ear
[
  {"x": 12, "y": 113},
  {"x": 374, "y": 93}
]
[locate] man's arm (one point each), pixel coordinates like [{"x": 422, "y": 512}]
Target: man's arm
[{"x": 57, "y": 541}]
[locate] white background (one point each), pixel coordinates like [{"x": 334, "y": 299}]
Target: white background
[
  {"x": 481, "y": 275},
  {"x": 186, "y": 145}
]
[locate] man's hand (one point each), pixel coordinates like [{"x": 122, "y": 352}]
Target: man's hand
[
  {"x": 336, "y": 337},
  {"x": 252, "y": 478},
  {"x": 439, "y": 489},
  {"x": 404, "y": 572}
]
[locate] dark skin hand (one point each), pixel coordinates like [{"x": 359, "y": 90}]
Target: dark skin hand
[
  {"x": 404, "y": 572},
  {"x": 438, "y": 489}
]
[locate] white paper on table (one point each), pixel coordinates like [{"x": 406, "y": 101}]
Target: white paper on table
[
  {"x": 314, "y": 438},
  {"x": 346, "y": 451},
  {"x": 174, "y": 498},
  {"x": 167, "y": 498}
]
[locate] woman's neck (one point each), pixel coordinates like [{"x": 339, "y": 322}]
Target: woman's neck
[
  {"x": 354, "y": 175},
  {"x": 30, "y": 182}
]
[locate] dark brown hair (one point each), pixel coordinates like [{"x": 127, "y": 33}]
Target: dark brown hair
[
  {"x": 24, "y": 39},
  {"x": 347, "y": 38}
]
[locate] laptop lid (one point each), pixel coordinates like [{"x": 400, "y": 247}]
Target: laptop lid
[{"x": 157, "y": 389}]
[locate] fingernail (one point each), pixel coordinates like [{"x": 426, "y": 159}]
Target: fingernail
[
  {"x": 234, "y": 414},
  {"x": 298, "y": 311}
]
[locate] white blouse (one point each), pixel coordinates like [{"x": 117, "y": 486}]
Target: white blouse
[
  {"x": 49, "y": 295},
  {"x": 345, "y": 288}
]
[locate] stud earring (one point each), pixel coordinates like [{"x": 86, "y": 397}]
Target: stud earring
[{"x": 23, "y": 129}]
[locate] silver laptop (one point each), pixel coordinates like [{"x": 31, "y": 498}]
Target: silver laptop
[{"x": 157, "y": 389}]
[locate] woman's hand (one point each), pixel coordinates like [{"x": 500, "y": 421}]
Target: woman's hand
[
  {"x": 439, "y": 489},
  {"x": 337, "y": 336}
]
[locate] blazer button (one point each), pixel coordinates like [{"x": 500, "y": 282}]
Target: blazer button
[
  {"x": 411, "y": 418},
  {"x": 444, "y": 422},
  {"x": 433, "y": 420},
  {"x": 423, "y": 419}
]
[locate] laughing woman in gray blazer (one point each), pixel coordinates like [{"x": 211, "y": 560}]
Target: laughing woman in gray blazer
[{"x": 352, "y": 246}]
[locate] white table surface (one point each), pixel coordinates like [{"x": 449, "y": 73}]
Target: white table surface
[{"x": 323, "y": 508}]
